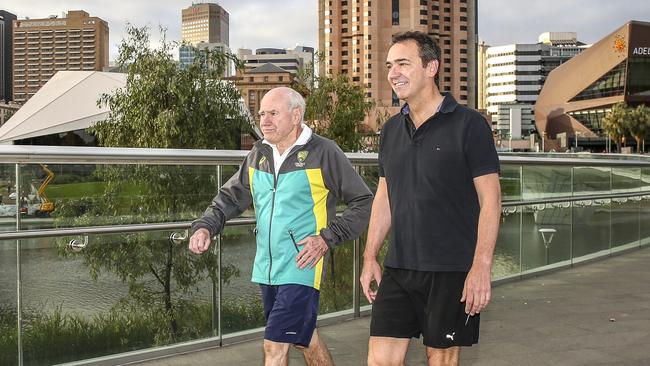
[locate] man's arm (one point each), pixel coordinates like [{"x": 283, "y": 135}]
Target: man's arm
[
  {"x": 478, "y": 286},
  {"x": 233, "y": 198},
  {"x": 345, "y": 184},
  {"x": 380, "y": 221}
]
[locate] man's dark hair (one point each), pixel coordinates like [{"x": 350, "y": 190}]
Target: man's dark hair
[{"x": 429, "y": 49}]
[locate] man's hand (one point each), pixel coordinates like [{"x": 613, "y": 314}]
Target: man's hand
[
  {"x": 314, "y": 249},
  {"x": 477, "y": 290},
  {"x": 371, "y": 271},
  {"x": 200, "y": 241}
]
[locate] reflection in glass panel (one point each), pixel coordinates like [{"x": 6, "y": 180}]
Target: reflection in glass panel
[
  {"x": 81, "y": 195},
  {"x": 591, "y": 180},
  {"x": 8, "y": 310},
  {"x": 644, "y": 219},
  {"x": 625, "y": 179},
  {"x": 625, "y": 222},
  {"x": 241, "y": 299},
  {"x": 546, "y": 181},
  {"x": 120, "y": 293},
  {"x": 591, "y": 227},
  {"x": 546, "y": 231},
  {"x": 8, "y": 196},
  {"x": 506, "y": 252},
  {"x": 336, "y": 290},
  {"x": 510, "y": 179},
  {"x": 645, "y": 179}
]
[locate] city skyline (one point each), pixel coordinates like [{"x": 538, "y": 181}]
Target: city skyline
[{"x": 257, "y": 23}]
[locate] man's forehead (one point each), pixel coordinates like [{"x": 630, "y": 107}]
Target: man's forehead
[{"x": 402, "y": 51}]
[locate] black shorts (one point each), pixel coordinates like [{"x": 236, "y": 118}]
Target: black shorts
[{"x": 413, "y": 303}]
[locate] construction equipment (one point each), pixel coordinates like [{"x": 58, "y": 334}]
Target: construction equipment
[{"x": 47, "y": 206}]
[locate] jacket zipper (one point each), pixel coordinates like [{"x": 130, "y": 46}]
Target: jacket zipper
[
  {"x": 293, "y": 239},
  {"x": 274, "y": 189}
]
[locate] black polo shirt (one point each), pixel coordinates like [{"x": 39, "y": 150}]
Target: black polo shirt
[{"x": 429, "y": 173}]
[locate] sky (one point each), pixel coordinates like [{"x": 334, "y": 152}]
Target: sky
[{"x": 287, "y": 23}]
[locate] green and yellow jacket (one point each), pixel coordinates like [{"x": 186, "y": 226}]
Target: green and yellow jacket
[{"x": 300, "y": 202}]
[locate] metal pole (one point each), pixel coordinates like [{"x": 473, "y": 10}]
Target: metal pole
[
  {"x": 219, "y": 285},
  {"x": 19, "y": 313},
  {"x": 356, "y": 303}
]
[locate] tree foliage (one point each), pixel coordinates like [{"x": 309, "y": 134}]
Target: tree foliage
[
  {"x": 623, "y": 120},
  {"x": 336, "y": 108},
  {"x": 165, "y": 106},
  {"x": 638, "y": 124},
  {"x": 161, "y": 106},
  {"x": 614, "y": 122}
]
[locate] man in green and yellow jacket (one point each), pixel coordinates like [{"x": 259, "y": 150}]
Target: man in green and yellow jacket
[{"x": 294, "y": 178}]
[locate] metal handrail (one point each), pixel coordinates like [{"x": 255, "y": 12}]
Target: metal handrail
[
  {"x": 123, "y": 229},
  {"x": 118, "y": 155},
  {"x": 109, "y": 229},
  {"x": 574, "y": 198}
]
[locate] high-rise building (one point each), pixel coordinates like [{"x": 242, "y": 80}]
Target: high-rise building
[
  {"x": 515, "y": 73},
  {"x": 187, "y": 54},
  {"x": 355, "y": 37},
  {"x": 291, "y": 60},
  {"x": 205, "y": 22},
  {"x": 6, "y": 68},
  {"x": 41, "y": 47}
]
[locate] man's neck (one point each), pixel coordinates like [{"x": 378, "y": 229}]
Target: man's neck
[
  {"x": 282, "y": 147},
  {"x": 424, "y": 106}
]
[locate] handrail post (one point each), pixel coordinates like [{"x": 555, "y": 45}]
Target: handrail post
[{"x": 19, "y": 313}]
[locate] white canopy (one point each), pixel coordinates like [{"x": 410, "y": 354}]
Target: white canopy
[{"x": 67, "y": 102}]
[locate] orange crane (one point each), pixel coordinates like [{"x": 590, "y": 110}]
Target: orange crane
[{"x": 47, "y": 206}]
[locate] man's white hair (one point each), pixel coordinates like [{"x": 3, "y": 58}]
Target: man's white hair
[{"x": 295, "y": 101}]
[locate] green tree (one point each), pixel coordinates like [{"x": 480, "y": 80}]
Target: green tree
[
  {"x": 614, "y": 122},
  {"x": 638, "y": 124},
  {"x": 161, "y": 106},
  {"x": 336, "y": 107}
]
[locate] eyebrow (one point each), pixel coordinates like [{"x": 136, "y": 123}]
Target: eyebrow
[{"x": 397, "y": 60}]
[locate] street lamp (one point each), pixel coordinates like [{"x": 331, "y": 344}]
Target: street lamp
[{"x": 577, "y": 133}]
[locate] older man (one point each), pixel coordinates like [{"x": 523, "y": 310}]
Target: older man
[{"x": 294, "y": 178}]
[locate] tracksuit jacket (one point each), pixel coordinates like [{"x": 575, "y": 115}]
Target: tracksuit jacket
[{"x": 300, "y": 202}]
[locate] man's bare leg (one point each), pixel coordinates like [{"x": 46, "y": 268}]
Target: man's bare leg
[
  {"x": 275, "y": 353},
  {"x": 443, "y": 356},
  {"x": 387, "y": 351},
  {"x": 317, "y": 353}
]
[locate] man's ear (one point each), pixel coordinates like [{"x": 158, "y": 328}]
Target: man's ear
[
  {"x": 295, "y": 116},
  {"x": 432, "y": 67}
]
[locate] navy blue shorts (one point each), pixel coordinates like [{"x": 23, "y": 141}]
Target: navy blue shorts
[{"x": 290, "y": 312}]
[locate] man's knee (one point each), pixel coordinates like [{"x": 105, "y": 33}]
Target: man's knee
[
  {"x": 275, "y": 350},
  {"x": 386, "y": 351},
  {"x": 443, "y": 356}
]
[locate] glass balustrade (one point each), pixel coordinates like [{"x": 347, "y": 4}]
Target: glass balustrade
[{"x": 90, "y": 258}]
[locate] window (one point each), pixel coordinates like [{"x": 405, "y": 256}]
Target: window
[
  {"x": 356, "y": 78},
  {"x": 463, "y": 19},
  {"x": 463, "y": 27},
  {"x": 395, "y": 12},
  {"x": 447, "y": 28},
  {"x": 280, "y": 78},
  {"x": 266, "y": 79},
  {"x": 463, "y": 60},
  {"x": 463, "y": 50},
  {"x": 447, "y": 19}
]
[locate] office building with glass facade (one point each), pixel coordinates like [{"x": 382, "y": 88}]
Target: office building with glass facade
[{"x": 578, "y": 94}]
